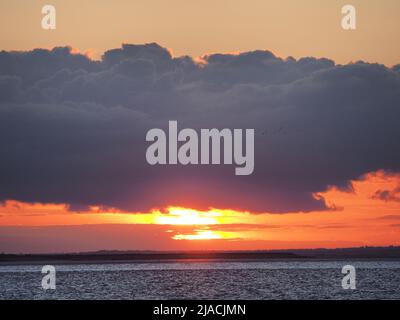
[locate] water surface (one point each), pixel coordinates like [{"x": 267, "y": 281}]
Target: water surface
[{"x": 204, "y": 280}]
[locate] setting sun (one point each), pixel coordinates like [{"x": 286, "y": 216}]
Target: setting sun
[
  {"x": 199, "y": 235},
  {"x": 184, "y": 216}
]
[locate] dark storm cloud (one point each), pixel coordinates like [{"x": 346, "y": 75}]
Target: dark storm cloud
[{"x": 72, "y": 130}]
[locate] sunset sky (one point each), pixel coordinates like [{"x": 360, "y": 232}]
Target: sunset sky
[
  {"x": 76, "y": 103},
  {"x": 286, "y": 27}
]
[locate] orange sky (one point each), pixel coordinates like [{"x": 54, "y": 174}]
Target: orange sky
[
  {"x": 286, "y": 27},
  {"x": 357, "y": 217}
]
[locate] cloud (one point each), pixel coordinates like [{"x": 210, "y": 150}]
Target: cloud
[
  {"x": 72, "y": 130},
  {"x": 388, "y": 195},
  {"x": 389, "y": 217}
]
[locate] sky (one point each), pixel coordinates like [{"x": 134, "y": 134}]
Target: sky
[
  {"x": 359, "y": 219},
  {"x": 286, "y": 27},
  {"x": 76, "y": 103}
]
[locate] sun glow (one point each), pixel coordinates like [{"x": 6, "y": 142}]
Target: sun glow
[
  {"x": 183, "y": 216},
  {"x": 371, "y": 212},
  {"x": 203, "y": 221},
  {"x": 199, "y": 235}
]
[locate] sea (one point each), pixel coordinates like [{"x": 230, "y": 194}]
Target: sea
[{"x": 298, "y": 280}]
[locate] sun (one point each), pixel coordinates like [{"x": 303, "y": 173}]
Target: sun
[
  {"x": 184, "y": 216},
  {"x": 199, "y": 235},
  {"x": 202, "y": 222}
]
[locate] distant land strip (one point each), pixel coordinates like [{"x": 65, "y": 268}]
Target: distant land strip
[{"x": 369, "y": 253}]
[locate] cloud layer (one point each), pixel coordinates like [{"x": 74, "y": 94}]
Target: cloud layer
[{"x": 72, "y": 130}]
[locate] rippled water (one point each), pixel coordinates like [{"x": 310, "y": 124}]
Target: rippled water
[{"x": 205, "y": 280}]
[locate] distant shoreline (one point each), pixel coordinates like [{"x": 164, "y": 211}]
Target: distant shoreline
[
  {"x": 97, "y": 258},
  {"x": 100, "y": 257},
  {"x": 98, "y": 262}
]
